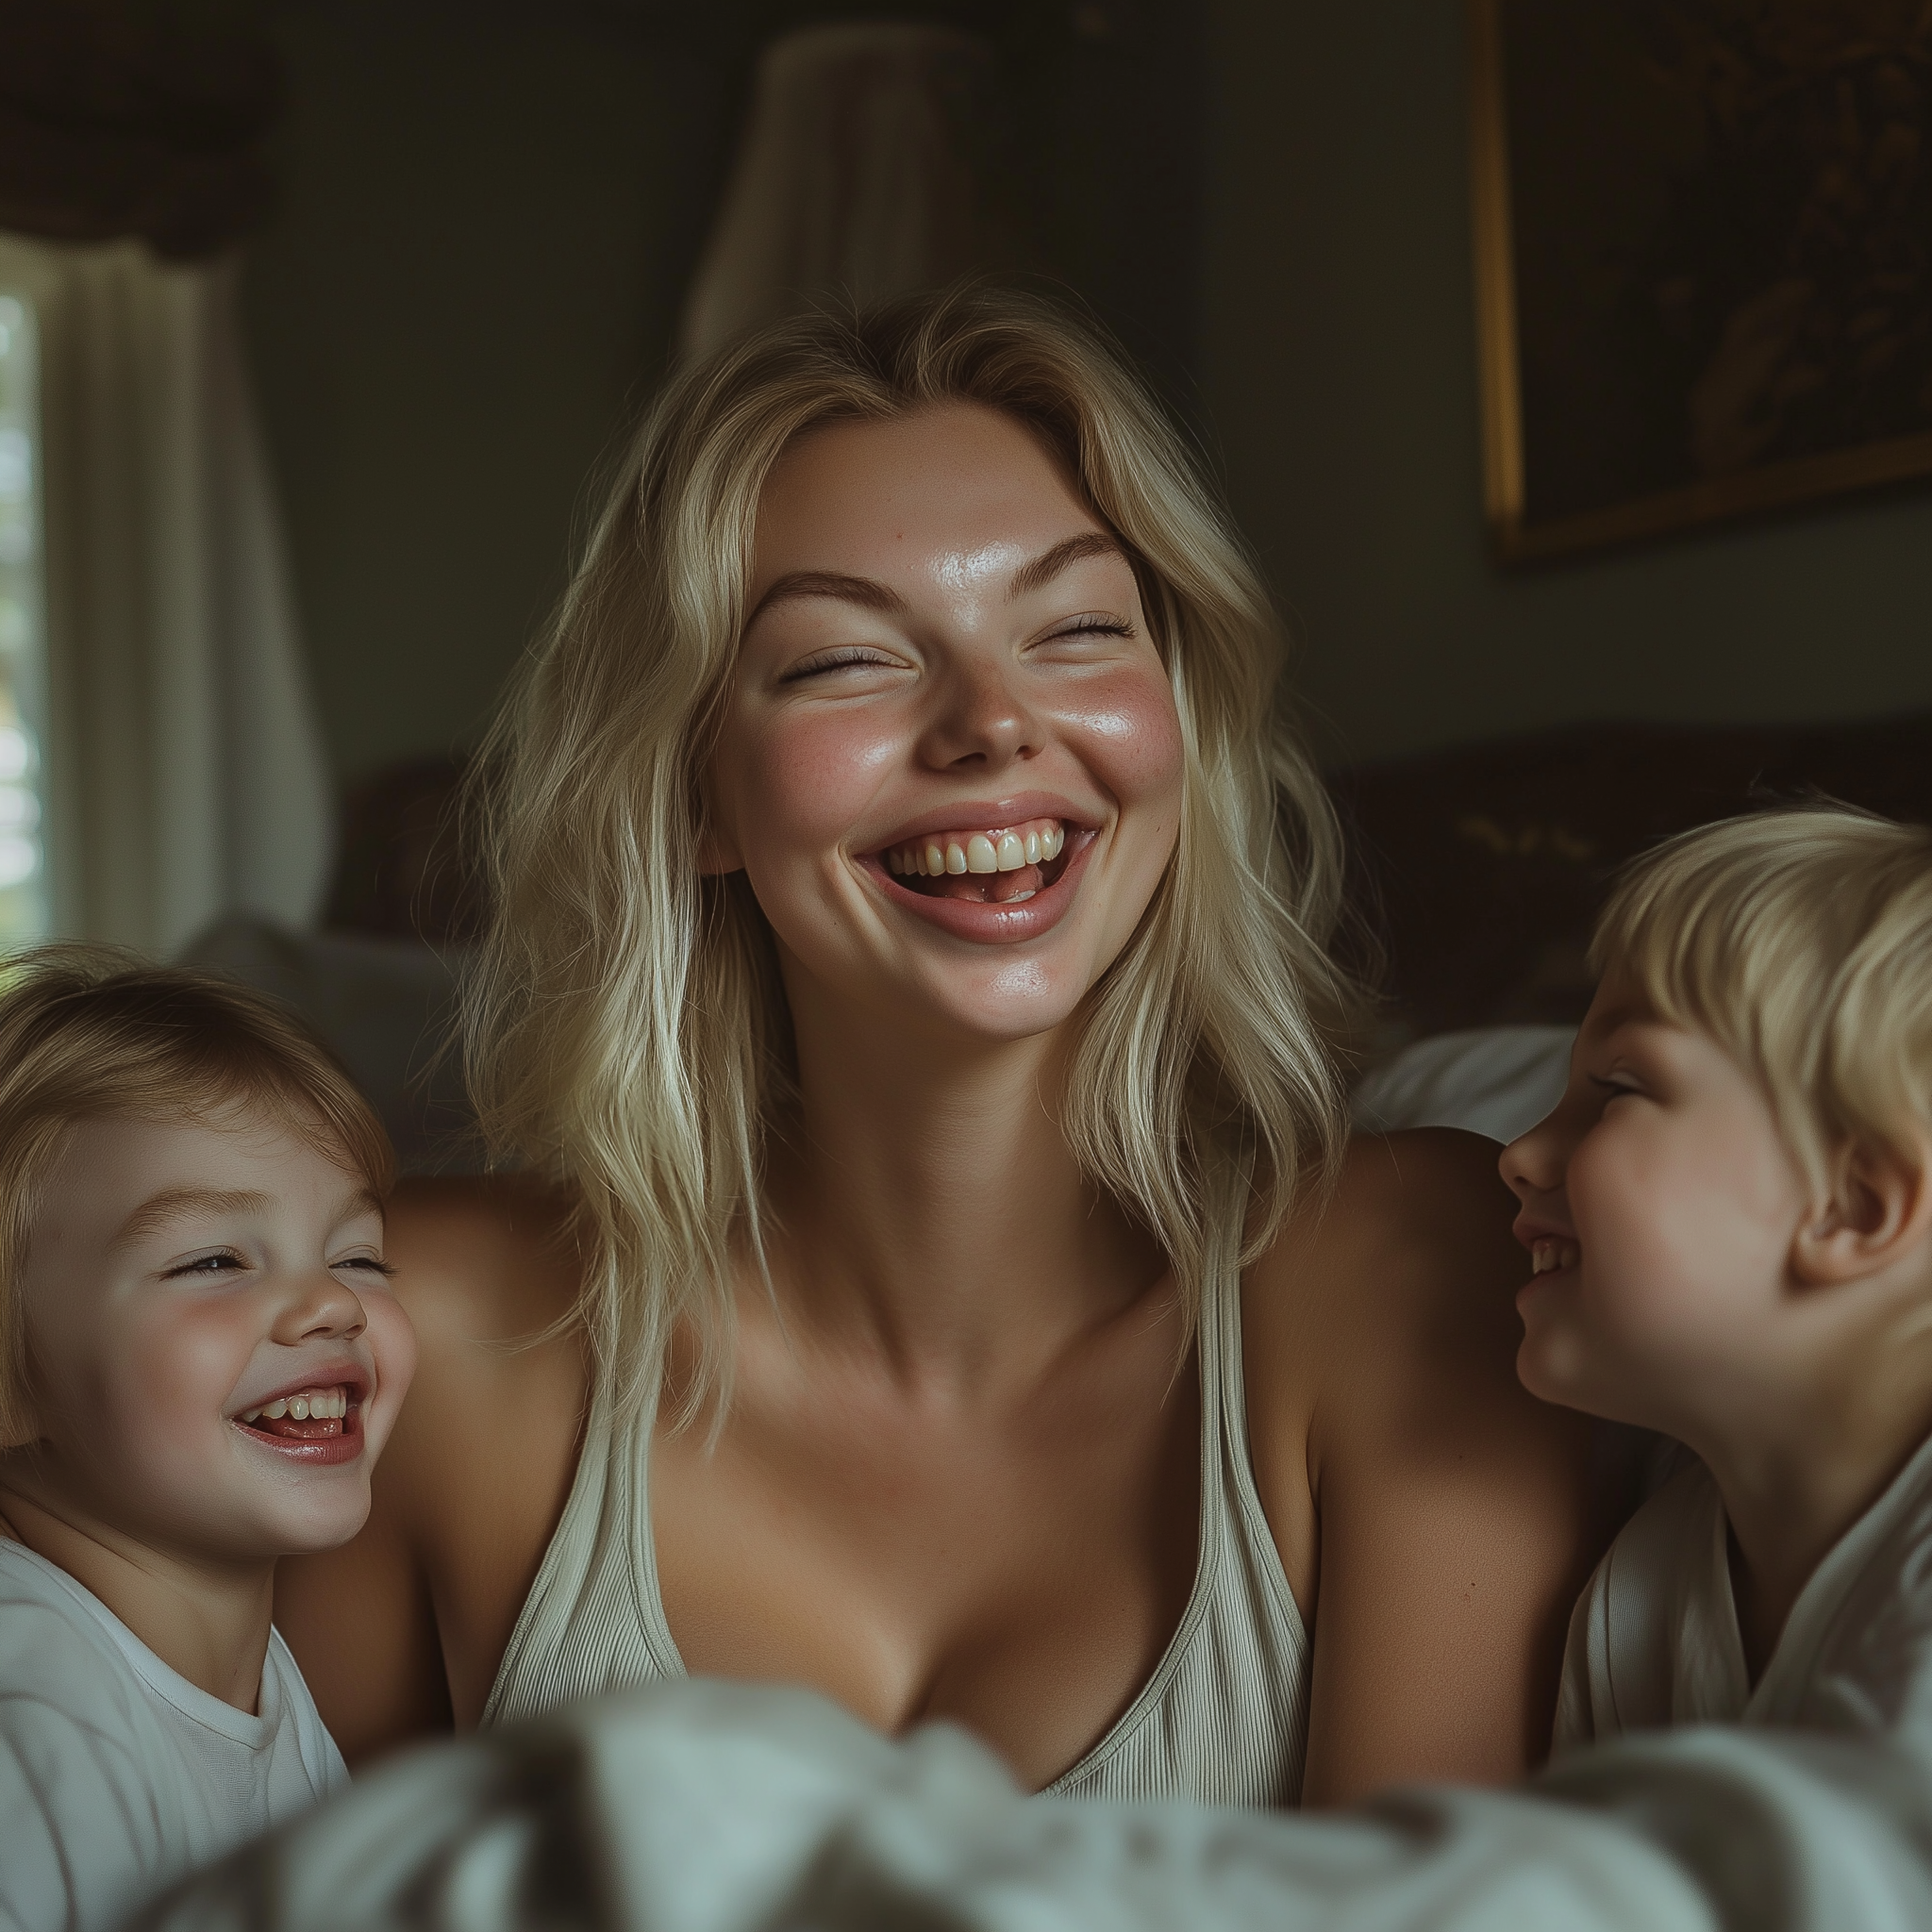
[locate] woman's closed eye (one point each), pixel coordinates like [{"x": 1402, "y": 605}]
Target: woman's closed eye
[
  {"x": 1089, "y": 624},
  {"x": 845, "y": 657}
]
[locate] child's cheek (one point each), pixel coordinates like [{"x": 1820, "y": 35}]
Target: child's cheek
[
  {"x": 391, "y": 1341},
  {"x": 177, "y": 1377},
  {"x": 1607, "y": 1185}
]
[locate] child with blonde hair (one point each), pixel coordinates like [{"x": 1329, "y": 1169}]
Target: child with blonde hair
[
  {"x": 200, "y": 1358},
  {"x": 1730, "y": 1215}
]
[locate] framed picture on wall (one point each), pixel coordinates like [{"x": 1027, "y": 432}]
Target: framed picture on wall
[{"x": 1704, "y": 259}]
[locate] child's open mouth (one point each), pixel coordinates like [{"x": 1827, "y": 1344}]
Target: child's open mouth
[
  {"x": 310, "y": 1415},
  {"x": 1552, "y": 1254},
  {"x": 995, "y": 865}
]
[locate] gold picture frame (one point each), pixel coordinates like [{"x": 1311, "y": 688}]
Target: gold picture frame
[{"x": 1573, "y": 304}]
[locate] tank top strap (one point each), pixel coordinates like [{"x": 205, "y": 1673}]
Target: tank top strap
[
  {"x": 1224, "y": 1715},
  {"x": 595, "y": 1619},
  {"x": 1250, "y": 1534}
]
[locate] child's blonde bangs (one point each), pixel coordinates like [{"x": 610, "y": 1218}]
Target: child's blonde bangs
[
  {"x": 624, "y": 1025},
  {"x": 1800, "y": 940}
]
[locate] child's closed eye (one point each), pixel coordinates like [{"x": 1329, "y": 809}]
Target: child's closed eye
[
  {"x": 223, "y": 1261},
  {"x": 368, "y": 1264}
]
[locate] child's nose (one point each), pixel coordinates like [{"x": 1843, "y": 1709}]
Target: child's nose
[
  {"x": 1532, "y": 1162},
  {"x": 319, "y": 1307}
]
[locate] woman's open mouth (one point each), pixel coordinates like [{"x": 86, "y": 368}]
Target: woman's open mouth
[{"x": 996, "y": 865}]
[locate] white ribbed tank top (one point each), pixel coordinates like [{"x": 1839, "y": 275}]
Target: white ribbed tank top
[{"x": 1223, "y": 1718}]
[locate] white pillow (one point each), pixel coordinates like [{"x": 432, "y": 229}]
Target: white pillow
[{"x": 1494, "y": 1080}]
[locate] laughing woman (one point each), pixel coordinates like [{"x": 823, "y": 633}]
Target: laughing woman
[{"x": 937, "y": 1274}]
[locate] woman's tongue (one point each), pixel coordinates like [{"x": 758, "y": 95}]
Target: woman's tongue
[{"x": 985, "y": 887}]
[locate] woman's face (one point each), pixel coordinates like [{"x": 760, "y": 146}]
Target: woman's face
[{"x": 950, "y": 765}]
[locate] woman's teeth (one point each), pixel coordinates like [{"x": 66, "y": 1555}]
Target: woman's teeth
[
  {"x": 1550, "y": 1254},
  {"x": 310, "y": 1405},
  {"x": 996, "y": 849}
]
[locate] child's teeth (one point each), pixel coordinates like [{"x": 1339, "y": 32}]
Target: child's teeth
[{"x": 310, "y": 1405}]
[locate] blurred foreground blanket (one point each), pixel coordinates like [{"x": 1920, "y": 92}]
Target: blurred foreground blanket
[{"x": 700, "y": 1807}]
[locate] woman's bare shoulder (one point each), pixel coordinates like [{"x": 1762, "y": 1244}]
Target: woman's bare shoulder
[
  {"x": 1414, "y": 1233},
  {"x": 1437, "y": 1516},
  {"x": 482, "y": 1257},
  {"x": 489, "y": 1273}
]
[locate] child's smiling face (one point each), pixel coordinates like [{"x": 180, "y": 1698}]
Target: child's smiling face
[
  {"x": 190, "y": 1288},
  {"x": 1660, "y": 1204}
]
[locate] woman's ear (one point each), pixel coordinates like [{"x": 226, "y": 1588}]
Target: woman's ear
[
  {"x": 1880, "y": 1210},
  {"x": 717, "y": 851}
]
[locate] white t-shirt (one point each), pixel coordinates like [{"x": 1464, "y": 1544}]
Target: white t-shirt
[
  {"x": 1655, "y": 1639},
  {"x": 116, "y": 1774}
]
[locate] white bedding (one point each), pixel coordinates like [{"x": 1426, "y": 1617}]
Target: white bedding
[{"x": 700, "y": 1807}]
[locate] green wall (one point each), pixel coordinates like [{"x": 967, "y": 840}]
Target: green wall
[
  {"x": 1338, "y": 373},
  {"x": 468, "y": 285},
  {"x": 489, "y": 212}
]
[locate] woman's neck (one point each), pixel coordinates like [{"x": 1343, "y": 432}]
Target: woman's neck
[
  {"x": 932, "y": 1210},
  {"x": 208, "y": 1621}
]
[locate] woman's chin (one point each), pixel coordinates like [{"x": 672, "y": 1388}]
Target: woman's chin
[{"x": 1015, "y": 1000}]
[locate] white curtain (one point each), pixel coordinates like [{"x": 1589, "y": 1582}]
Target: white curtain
[
  {"x": 857, "y": 176},
  {"x": 185, "y": 770}
]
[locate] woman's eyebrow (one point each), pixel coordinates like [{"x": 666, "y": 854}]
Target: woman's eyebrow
[
  {"x": 867, "y": 591},
  {"x": 870, "y": 594},
  {"x": 1049, "y": 563},
  {"x": 160, "y": 1211}
]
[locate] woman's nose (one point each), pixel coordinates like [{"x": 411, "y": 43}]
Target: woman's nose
[
  {"x": 319, "y": 1308},
  {"x": 982, "y": 722}
]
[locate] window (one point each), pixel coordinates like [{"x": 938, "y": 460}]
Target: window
[{"x": 24, "y": 909}]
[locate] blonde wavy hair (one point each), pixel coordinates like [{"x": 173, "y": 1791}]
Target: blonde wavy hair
[{"x": 624, "y": 1026}]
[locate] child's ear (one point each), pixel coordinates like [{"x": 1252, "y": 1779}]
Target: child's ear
[{"x": 1880, "y": 1208}]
